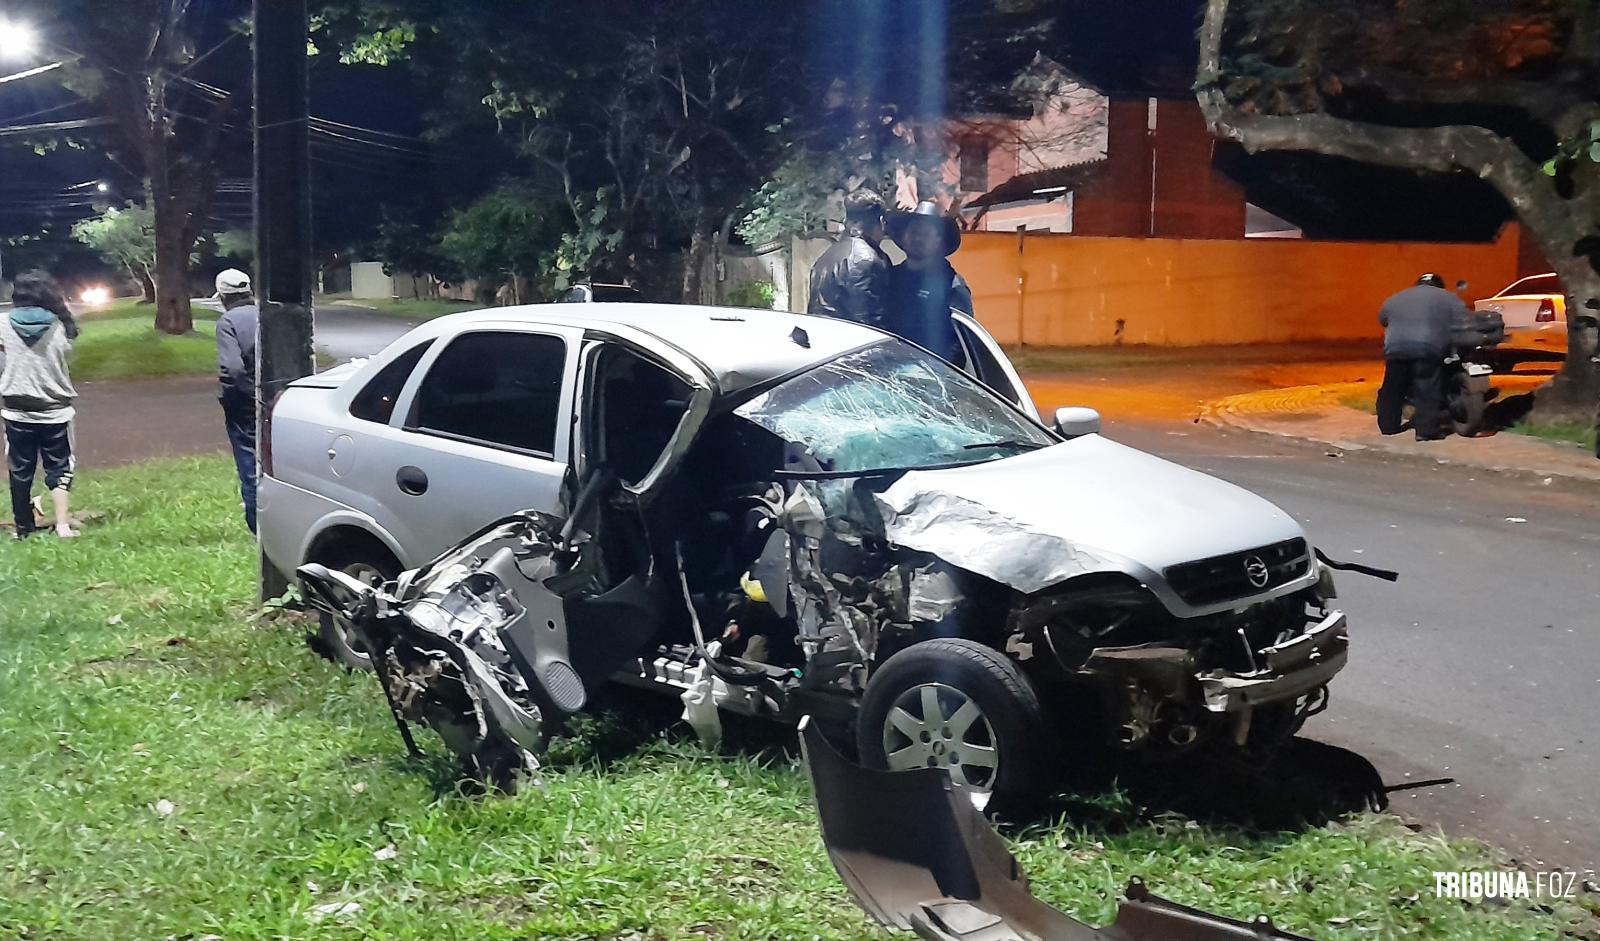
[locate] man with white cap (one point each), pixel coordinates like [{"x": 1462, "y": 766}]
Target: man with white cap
[{"x": 236, "y": 368}]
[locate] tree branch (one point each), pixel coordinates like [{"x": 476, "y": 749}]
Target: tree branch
[
  {"x": 1495, "y": 159},
  {"x": 1562, "y": 108}
]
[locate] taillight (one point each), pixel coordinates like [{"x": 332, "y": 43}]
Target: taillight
[
  {"x": 264, "y": 445},
  {"x": 1547, "y": 312}
]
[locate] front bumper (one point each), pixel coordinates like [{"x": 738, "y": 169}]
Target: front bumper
[
  {"x": 1294, "y": 668},
  {"x": 1286, "y": 672}
]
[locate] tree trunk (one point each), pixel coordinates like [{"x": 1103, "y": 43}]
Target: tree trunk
[
  {"x": 173, "y": 313},
  {"x": 147, "y": 284},
  {"x": 694, "y": 263}
]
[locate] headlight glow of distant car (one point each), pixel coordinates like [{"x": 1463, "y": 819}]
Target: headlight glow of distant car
[{"x": 96, "y": 296}]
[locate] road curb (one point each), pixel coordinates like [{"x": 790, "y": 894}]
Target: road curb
[{"x": 1240, "y": 413}]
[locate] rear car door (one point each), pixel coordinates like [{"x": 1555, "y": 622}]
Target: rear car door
[{"x": 481, "y": 430}]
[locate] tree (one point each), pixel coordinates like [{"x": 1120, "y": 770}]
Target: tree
[
  {"x": 125, "y": 237},
  {"x": 406, "y": 246},
  {"x": 237, "y": 245},
  {"x": 509, "y": 235},
  {"x": 1504, "y": 90},
  {"x": 134, "y": 60},
  {"x": 649, "y": 124}
]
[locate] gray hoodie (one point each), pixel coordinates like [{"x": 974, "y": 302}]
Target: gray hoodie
[{"x": 35, "y": 386}]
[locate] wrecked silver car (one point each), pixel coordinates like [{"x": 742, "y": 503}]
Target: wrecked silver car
[{"x": 874, "y": 538}]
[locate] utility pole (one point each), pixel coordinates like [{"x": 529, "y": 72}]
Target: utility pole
[{"x": 283, "y": 214}]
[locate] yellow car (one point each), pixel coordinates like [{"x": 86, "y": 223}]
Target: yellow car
[{"x": 1535, "y": 312}]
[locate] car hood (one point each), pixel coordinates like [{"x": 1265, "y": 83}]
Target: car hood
[{"x": 1086, "y": 505}]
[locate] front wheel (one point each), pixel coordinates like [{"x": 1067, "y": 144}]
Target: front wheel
[{"x": 963, "y": 707}]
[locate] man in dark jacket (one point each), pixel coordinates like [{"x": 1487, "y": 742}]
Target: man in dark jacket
[
  {"x": 236, "y": 370},
  {"x": 1417, "y": 324},
  {"x": 851, "y": 279},
  {"x": 924, "y": 288}
]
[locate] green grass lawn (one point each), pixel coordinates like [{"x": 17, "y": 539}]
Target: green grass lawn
[
  {"x": 1581, "y": 433},
  {"x": 172, "y": 766},
  {"x": 129, "y": 347},
  {"x": 423, "y": 309}
]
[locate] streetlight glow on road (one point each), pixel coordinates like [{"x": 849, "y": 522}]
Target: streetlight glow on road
[{"x": 17, "y": 40}]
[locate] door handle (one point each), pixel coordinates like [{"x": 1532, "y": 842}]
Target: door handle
[{"x": 411, "y": 480}]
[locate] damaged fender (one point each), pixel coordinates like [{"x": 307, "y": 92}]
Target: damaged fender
[{"x": 917, "y": 856}]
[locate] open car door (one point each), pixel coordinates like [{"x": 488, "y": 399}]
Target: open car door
[
  {"x": 532, "y": 612},
  {"x": 987, "y": 363}
]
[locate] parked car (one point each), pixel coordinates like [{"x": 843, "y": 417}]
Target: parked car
[
  {"x": 589, "y": 292},
  {"x": 1535, "y": 312},
  {"x": 865, "y": 533}
]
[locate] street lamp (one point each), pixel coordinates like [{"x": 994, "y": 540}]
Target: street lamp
[{"x": 17, "y": 40}]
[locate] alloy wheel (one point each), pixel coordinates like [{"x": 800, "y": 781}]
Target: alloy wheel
[{"x": 938, "y": 726}]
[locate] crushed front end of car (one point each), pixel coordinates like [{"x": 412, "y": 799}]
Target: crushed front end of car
[{"x": 1190, "y": 630}]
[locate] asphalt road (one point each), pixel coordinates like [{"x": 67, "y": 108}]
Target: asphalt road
[
  {"x": 347, "y": 332},
  {"x": 1480, "y": 668},
  {"x": 1479, "y": 671},
  {"x": 113, "y": 425}
]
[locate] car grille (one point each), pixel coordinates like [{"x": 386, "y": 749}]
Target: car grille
[{"x": 1226, "y": 577}]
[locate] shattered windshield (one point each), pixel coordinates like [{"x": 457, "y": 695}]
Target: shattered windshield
[{"x": 892, "y": 406}]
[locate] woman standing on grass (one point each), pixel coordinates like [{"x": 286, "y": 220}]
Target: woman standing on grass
[{"x": 36, "y": 397}]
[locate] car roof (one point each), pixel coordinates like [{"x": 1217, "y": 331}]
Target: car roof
[{"x": 739, "y": 347}]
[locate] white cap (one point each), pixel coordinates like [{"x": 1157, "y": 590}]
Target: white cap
[{"x": 233, "y": 281}]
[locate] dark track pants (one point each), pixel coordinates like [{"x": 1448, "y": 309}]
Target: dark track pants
[
  {"x": 29, "y": 445},
  {"x": 1416, "y": 380}
]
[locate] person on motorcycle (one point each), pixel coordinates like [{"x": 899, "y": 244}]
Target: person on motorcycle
[{"x": 1417, "y": 324}]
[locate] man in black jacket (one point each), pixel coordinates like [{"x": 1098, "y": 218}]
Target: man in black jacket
[
  {"x": 1417, "y": 326},
  {"x": 851, "y": 279}
]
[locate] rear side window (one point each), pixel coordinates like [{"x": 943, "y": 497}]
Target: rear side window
[
  {"x": 496, "y": 388},
  {"x": 1538, "y": 284},
  {"x": 376, "y": 401}
]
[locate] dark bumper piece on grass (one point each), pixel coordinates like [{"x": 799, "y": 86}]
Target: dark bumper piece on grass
[{"x": 918, "y": 856}]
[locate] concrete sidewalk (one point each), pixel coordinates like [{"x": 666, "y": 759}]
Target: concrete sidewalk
[{"x": 1315, "y": 413}]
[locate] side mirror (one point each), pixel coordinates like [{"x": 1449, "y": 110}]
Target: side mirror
[{"x": 1075, "y": 421}]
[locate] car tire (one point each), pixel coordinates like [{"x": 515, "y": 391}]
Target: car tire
[
  {"x": 335, "y": 644},
  {"x": 1467, "y": 408},
  {"x": 1008, "y": 762}
]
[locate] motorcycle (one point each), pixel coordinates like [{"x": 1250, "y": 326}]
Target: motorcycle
[{"x": 1466, "y": 375}]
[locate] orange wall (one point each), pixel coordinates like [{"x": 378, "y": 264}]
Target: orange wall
[{"x": 1070, "y": 290}]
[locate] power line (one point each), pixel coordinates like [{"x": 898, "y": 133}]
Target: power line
[
  {"x": 17, "y": 130},
  {"x": 366, "y": 130}
]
